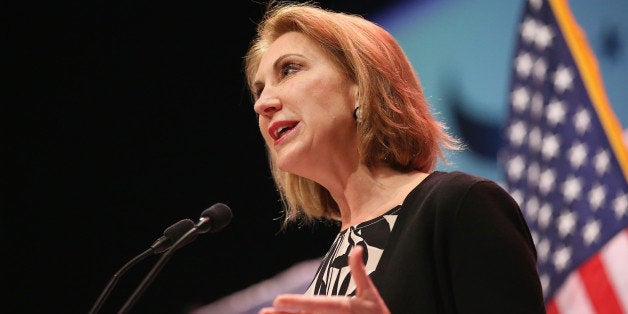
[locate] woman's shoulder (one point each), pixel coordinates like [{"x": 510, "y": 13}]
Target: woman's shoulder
[
  {"x": 448, "y": 191},
  {"x": 454, "y": 178},
  {"x": 451, "y": 185}
]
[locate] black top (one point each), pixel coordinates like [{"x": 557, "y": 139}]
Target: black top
[{"x": 457, "y": 244}]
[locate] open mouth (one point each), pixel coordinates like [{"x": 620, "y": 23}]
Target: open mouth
[{"x": 282, "y": 129}]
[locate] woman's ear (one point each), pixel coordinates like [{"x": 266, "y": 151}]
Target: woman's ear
[
  {"x": 356, "y": 94},
  {"x": 356, "y": 102},
  {"x": 357, "y": 114}
]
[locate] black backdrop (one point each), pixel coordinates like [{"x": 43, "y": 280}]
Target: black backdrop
[{"x": 126, "y": 117}]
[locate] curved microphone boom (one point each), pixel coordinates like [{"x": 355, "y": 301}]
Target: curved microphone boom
[
  {"x": 213, "y": 219},
  {"x": 170, "y": 236}
]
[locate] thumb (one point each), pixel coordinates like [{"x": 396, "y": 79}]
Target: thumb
[{"x": 363, "y": 282}]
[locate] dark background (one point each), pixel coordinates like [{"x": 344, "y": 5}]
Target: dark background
[{"x": 128, "y": 116}]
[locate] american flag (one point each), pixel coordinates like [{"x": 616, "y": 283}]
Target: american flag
[{"x": 566, "y": 164}]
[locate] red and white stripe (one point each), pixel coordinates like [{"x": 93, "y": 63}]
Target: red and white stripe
[{"x": 600, "y": 285}]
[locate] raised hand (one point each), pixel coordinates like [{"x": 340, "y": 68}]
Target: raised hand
[{"x": 366, "y": 300}]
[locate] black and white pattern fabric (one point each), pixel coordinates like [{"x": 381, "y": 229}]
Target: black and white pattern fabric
[{"x": 333, "y": 275}]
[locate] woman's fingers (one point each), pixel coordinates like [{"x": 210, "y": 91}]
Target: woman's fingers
[
  {"x": 367, "y": 298},
  {"x": 272, "y": 310},
  {"x": 296, "y": 303},
  {"x": 358, "y": 271}
]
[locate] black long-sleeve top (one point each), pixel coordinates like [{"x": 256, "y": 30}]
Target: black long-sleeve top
[{"x": 457, "y": 244}]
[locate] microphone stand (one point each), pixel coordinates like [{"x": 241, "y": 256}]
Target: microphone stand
[
  {"x": 155, "y": 270},
  {"x": 114, "y": 280}
]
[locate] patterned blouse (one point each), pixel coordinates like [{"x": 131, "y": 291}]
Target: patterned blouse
[{"x": 333, "y": 275}]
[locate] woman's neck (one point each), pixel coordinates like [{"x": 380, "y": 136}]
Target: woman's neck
[{"x": 369, "y": 193}]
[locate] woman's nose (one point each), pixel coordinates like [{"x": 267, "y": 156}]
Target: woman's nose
[{"x": 267, "y": 106}]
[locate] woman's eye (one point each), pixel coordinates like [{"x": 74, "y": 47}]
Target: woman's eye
[
  {"x": 289, "y": 68},
  {"x": 257, "y": 92}
]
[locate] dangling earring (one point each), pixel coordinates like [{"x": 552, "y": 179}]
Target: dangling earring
[{"x": 357, "y": 113}]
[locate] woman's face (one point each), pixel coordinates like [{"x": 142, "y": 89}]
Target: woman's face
[{"x": 305, "y": 106}]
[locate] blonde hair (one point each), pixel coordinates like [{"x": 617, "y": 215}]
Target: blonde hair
[{"x": 395, "y": 129}]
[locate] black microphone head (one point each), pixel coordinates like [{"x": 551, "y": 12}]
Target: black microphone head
[
  {"x": 172, "y": 234},
  {"x": 219, "y": 216}
]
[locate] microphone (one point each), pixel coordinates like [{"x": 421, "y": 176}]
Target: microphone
[
  {"x": 170, "y": 236},
  {"x": 213, "y": 219}
]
